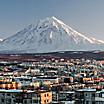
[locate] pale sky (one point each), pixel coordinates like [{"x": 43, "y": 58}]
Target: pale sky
[{"x": 85, "y": 16}]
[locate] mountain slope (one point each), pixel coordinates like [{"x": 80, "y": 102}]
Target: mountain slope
[{"x": 49, "y": 35}]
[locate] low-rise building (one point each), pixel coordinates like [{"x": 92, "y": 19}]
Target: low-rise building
[
  {"x": 25, "y": 97},
  {"x": 85, "y": 96}
]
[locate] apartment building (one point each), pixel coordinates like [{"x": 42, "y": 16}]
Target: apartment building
[
  {"x": 85, "y": 96},
  {"x": 25, "y": 97}
]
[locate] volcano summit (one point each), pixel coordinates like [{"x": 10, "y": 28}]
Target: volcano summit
[{"x": 49, "y": 35}]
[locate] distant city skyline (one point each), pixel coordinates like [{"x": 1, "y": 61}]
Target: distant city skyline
[{"x": 85, "y": 16}]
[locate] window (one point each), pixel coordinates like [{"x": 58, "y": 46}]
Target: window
[
  {"x": 47, "y": 101},
  {"x": 93, "y": 102},
  {"x": 35, "y": 101},
  {"x": 33, "y": 94},
  {"x": 2, "y": 100},
  {"x": 25, "y": 101},
  {"x": 45, "y": 95},
  {"x": 87, "y": 102},
  {"x": 44, "y": 101},
  {"x": 8, "y": 94},
  {"x": 30, "y": 101},
  {"x": 86, "y": 94},
  {"x": 93, "y": 95},
  {"x": 8, "y": 101},
  {"x": 29, "y": 95},
  {"x": 25, "y": 95}
]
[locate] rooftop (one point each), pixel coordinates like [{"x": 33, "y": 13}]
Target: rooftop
[
  {"x": 27, "y": 91},
  {"x": 86, "y": 90}
]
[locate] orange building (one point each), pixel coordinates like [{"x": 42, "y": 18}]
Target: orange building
[
  {"x": 43, "y": 97},
  {"x": 4, "y": 84}
]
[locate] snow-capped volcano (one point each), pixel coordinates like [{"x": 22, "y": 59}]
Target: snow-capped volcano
[{"x": 49, "y": 35}]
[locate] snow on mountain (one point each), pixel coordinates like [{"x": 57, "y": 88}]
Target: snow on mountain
[
  {"x": 49, "y": 35},
  {"x": 1, "y": 40}
]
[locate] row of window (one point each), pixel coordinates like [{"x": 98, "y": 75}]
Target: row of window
[
  {"x": 28, "y": 101},
  {"x": 46, "y": 95}
]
